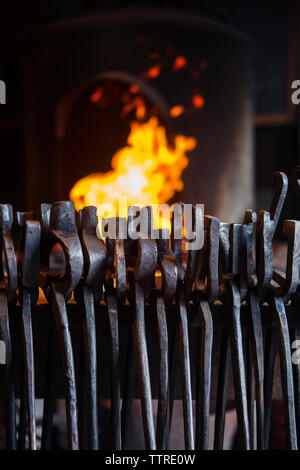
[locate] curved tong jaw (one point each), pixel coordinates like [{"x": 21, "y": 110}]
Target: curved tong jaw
[
  {"x": 266, "y": 227},
  {"x": 167, "y": 265},
  {"x": 236, "y": 252},
  {"x": 146, "y": 251},
  {"x": 264, "y": 252},
  {"x": 94, "y": 251},
  {"x": 28, "y": 251},
  {"x": 115, "y": 281},
  {"x": 186, "y": 277},
  {"x": 58, "y": 224},
  {"x": 249, "y": 228},
  {"x": 209, "y": 260},
  {"x": 193, "y": 259},
  {"x": 288, "y": 284},
  {"x": 280, "y": 190}
]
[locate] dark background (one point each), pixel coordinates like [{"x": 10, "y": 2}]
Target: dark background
[{"x": 273, "y": 27}]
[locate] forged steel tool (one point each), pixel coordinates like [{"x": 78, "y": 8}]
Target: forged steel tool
[
  {"x": 8, "y": 287},
  {"x": 254, "y": 339},
  {"x": 267, "y": 223},
  {"x": 231, "y": 291},
  {"x": 295, "y": 331},
  {"x": 162, "y": 297},
  {"x": 224, "y": 363},
  {"x": 285, "y": 288},
  {"x": 286, "y": 370},
  {"x": 115, "y": 289},
  {"x": 29, "y": 271},
  {"x": 58, "y": 288},
  {"x": 88, "y": 293},
  {"x": 141, "y": 281},
  {"x": 206, "y": 294},
  {"x": 233, "y": 303},
  {"x": 130, "y": 246},
  {"x": 52, "y": 343},
  {"x": 173, "y": 331},
  {"x": 183, "y": 338}
]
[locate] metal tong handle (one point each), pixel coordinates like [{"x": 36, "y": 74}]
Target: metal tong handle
[
  {"x": 63, "y": 231},
  {"x": 168, "y": 267},
  {"x": 29, "y": 262},
  {"x": 144, "y": 270},
  {"x": 8, "y": 289},
  {"x": 89, "y": 292}
]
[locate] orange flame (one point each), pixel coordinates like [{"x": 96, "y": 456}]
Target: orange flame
[{"x": 147, "y": 170}]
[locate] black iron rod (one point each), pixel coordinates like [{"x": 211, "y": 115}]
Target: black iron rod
[
  {"x": 186, "y": 374},
  {"x": 143, "y": 373},
  {"x": 29, "y": 366},
  {"x": 204, "y": 384},
  {"x": 162, "y": 426},
  {"x": 10, "y": 395},
  {"x": 89, "y": 329},
  {"x": 64, "y": 336},
  {"x": 222, "y": 390},
  {"x": 112, "y": 309}
]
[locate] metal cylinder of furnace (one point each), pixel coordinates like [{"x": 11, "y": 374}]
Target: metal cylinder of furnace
[{"x": 74, "y": 52}]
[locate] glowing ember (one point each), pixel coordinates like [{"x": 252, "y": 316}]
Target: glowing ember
[
  {"x": 179, "y": 63},
  {"x": 198, "y": 101},
  {"x": 97, "y": 95},
  {"x": 147, "y": 171},
  {"x": 134, "y": 89},
  {"x": 137, "y": 104},
  {"x": 176, "y": 111},
  {"x": 154, "y": 71}
]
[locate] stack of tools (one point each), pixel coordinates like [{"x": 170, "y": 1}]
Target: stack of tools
[{"x": 71, "y": 291}]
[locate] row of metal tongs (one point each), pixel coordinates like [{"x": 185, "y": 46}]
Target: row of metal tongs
[{"x": 234, "y": 265}]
